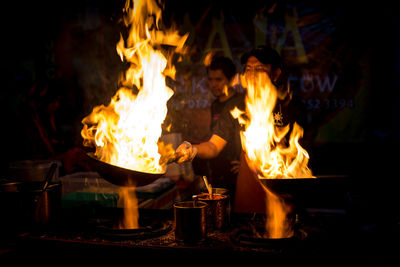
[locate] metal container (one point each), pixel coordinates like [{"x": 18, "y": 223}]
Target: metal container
[
  {"x": 190, "y": 221},
  {"x": 47, "y": 204},
  {"x": 218, "y": 211},
  {"x": 32, "y": 170},
  {"x": 220, "y": 191},
  {"x": 25, "y": 205}
]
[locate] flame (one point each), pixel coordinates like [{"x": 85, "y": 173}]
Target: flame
[
  {"x": 277, "y": 224},
  {"x": 267, "y": 151},
  {"x": 208, "y": 58},
  {"x": 129, "y": 202},
  {"x": 127, "y": 131}
]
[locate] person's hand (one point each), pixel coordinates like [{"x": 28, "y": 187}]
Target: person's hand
[
  {"x": 235, "y": 166},
  {"x": 185, "y": 152}
]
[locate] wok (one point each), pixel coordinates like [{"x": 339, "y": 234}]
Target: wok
[
  {"x": 322, "y": 191},
  {"x": 121, "y": 176},
  {"x": 298, "y": 185}
]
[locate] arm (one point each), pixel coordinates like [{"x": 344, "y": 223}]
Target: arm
[
  {"x": 224, "y": 130},
  {"x": 205, "y": 150},
  {"x": 211, "y": 148}
]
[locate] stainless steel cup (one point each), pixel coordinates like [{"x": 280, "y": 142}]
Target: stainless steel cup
[
  {"x": 218, "y": 211},
  {"x": 190, "y": 221},
  {"x": 220, "y": 191}
]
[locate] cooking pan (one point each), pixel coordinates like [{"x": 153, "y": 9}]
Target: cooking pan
[
  {"x": 324, "y": 191},
  {"x": 298, "y": 185},
  {"x": 121, "y": 176}
]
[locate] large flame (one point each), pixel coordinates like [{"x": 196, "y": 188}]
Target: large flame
[
  {"x": 270, "y": 154},
  {"x": 267, "y": 151},
  {"x": 126, "y": 132}
]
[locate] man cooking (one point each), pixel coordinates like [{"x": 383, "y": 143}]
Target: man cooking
[
  {"x": 227, "y": 129},
  {"x": 220, "y": 75}
]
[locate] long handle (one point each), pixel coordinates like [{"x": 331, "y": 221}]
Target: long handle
[
  {"x": 208, "y": 186},
  {"x": 49, "y": 175}
]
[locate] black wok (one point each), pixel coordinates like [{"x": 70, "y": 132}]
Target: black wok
[
  {"x": 298, "y": 185},
  {"x": 322, "y": 191},
  {"x": 121, "y": 176}
]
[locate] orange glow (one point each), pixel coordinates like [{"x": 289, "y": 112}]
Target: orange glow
[
  {"x": 277, "y": 224},
  {"x": 268, "y": 153},
  {"x": 129, "y": 202},
  {"x": 270, "y": 156},
  {"x": 126, "y": 132}
]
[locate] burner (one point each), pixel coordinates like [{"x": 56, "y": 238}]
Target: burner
[
  {"x": 253, "y": 235},
  {"x": 246, "y": 237},
  {"x": 107, "y": 229},
  {"x": 149, "y": 226}
]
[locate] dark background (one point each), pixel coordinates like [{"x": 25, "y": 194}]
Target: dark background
[{"x": 65, "y": 51}]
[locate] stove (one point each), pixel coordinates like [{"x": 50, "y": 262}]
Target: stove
[
  {"x": 320, "y": 236},
  {"x": 331, "y": 226}
]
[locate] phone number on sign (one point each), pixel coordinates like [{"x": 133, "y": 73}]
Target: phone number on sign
[{"x": 328, "y": 103}]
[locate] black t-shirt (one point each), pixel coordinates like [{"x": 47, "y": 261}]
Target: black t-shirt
[
  {"x": 220, "y": 166},
  {"x": 228, "y": 128},
  {"x": 216, "y": 109}
]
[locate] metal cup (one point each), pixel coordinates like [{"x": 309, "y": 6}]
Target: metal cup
[
  {"x": 218, "y": 211},
  {"x": 220, "y": 191},
  {"x": 190, "y": 221}
]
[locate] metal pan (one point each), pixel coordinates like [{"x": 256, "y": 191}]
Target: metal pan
[
  {"x": 327, "y": 192},
  {"x": 121, "y": 176},
  {"x": 299, "y": 185}
]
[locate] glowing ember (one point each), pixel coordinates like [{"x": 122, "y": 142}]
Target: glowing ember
[
  {"x": 127, "y": 131},
  {"x": 268, "y": 154}
]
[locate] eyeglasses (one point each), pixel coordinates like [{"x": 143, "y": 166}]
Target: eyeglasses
[{"x": 256, "y": 68}]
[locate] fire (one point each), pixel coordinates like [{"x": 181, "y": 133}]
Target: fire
[
  {"x": 277, "y": 224},
  {"x": 267, "y": 152},
  {"x": 270, "y": 155},
  {"x": 126, "y": 132},
  {"x": 129, "y": 202}
]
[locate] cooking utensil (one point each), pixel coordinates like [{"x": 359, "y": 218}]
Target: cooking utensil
[
  {"x": 218, "y": 211},
  {"x": 327, "y": 191},
  {"x": 122, "y": 176},
  {"x": 190, "y": 221},
  {"x": 300, "y": 186},
  {"x": 42, "y": 199},
  {"x": 49, "y": 175},
  {"x": 31, "y": 170},
  {"x": 24, "y": 205},
  {"x": 208, "y": 186}
]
